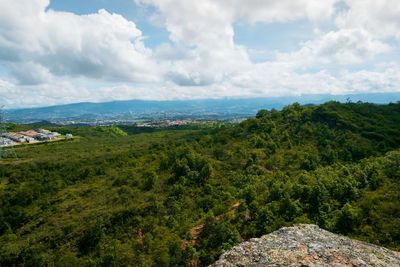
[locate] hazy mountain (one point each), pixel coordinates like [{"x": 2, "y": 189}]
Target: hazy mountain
[{"x": 223, "y": 108}]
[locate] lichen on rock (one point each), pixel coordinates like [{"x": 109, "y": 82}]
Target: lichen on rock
[{"x": 306, "y": 245}]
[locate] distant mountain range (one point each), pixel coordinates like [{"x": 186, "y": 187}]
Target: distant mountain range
[{"x": 142, "y": 109}]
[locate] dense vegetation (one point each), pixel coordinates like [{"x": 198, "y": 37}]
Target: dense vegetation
[{"x": 114, "y": 197}]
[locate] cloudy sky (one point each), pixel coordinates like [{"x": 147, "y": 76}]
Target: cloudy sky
[{"x": 58, "y": 51}]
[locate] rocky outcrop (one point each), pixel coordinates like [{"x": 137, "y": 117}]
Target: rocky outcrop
[{"x": 307, "y": 245}]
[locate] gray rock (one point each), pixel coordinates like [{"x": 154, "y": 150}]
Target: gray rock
[{"x": 307, "y": 245}]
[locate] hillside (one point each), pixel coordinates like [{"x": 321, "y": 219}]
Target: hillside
[
  {"x": 306, "y": 245},
  {"x": 116, "y": 196},
  {"x": 222, "y": 108}
]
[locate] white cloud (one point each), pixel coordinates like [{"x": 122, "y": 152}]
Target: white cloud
[
  {"x": 210, "y": 21},
  {"x": 373, "y": 81},
  {"x": 59, "y": 57},
  {"x": 100, "y": 45},
  {"x": 281, "y": 11},
  {"x": 266, "y": 79},
  {"x": 215, "y": 58},
  {"x": 382, "y": 17},
  {"x": 165, "y": 52},
  {"x": 30, "y": 73},
  {"x": 345, "y": 46}
]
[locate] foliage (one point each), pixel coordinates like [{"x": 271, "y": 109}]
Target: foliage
[{"x": 118, "y": 196}]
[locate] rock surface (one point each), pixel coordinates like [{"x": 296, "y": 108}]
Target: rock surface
[{"x": 307, "y": 245}]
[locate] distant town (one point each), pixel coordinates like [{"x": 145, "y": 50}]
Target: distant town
[
  {"x": 169, "y": 123},
  {"x": 143, "y": 122},
  {"x": 30, "y": 137}
]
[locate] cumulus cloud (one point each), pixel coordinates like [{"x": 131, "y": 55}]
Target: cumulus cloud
[
  {"x": 345, "y": 46},
  {"x": 101, "y": 45},
  {"x": 381, "y": 18},
  {"x": 30, "y": 73},
  {"x": 281, "y": 11},
  {"x": 197, "y": 22},
  {"x": 60, "y": 57},
  {"x": 207, "y": 27}
]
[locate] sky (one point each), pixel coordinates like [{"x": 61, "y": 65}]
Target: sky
[{"x": 58, "y": 52}]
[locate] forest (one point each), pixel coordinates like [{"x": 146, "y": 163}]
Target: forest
[{"x": 116, "y": 196}]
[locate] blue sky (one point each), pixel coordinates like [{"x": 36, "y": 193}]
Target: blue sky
[{"x": 57, "y": 51}]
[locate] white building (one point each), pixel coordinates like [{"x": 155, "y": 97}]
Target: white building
[
  {"x": 5, "y": 142},
  {"x": 43, "y": 131}
]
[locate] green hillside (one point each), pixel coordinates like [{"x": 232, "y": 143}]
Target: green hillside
[{"x": 116, "y": 197}]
